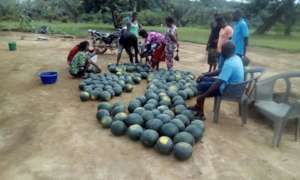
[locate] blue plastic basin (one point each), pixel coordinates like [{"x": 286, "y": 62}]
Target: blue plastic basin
[{"x": 49, "y": 77}]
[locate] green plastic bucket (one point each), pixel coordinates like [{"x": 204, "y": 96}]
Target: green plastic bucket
[{"x": 12, "y": 46}]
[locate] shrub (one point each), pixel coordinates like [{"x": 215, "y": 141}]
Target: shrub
[{"x": 151, "y": 18}]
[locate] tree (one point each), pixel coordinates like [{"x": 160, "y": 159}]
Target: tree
[{"x": 271, "y": 12}]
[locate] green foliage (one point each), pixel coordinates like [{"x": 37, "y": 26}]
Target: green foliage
[
  {"x": 274, "y": 39},
  {"x": 151, "y": 18}
]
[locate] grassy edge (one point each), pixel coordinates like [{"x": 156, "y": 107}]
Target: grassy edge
[{"x": 201, "y": 32}]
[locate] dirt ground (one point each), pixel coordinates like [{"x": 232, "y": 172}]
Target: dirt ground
[{"x": 47, "y": 133}]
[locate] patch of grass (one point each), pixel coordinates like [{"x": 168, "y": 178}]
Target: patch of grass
[{"x": 273, "y": 40}]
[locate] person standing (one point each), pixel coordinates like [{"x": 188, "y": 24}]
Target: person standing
[
  {"x": 226, "y": 33},
  {"x": 134, "y": 25},
  {"x": 171, "y": 40},
  {"x": 240, "y": 34},
  {"x": 212, "y": 55}
]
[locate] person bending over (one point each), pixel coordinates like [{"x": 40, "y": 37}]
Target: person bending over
[
  {"x": 82, "y": 63},
  {"x": 158, "y": 53},
  {"x": 129, "y": 42},
  {"x": 232, "y": 72}
]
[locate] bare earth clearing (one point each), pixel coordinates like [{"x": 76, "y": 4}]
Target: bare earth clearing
[{"x": 47, "y": 133}]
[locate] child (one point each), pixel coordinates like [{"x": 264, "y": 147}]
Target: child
[
  {"x": 158, "y": 53},
  {"x": 81, "y": 63},
  {"x": 171, "y": 41}
]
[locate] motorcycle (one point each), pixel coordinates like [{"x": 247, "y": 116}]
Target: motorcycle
[{"x": 104, "y": 41}]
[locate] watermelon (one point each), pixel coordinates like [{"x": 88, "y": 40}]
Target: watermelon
[
  {"x": 133, "y": 105},
  {"x": 183, "y": 94},
  {"x": 152, "y": 101},
  {"x": 179, "y": 124},
  {"x": 81, "y": 86},
  {"x": 162, "y": 108},
  {"x": 196, "y": 131},
  {"x": 155, "y": 112},
  {"x": 198, "y": 123},
  {"x": 84, "y": 96},
  {"x": 139, "y": 110},
  {"x": 104, "y": 96},
  {"x": 106, "y": 122},
  {"x": 94, "y": 95},
  {"x": 105, "y": 105},
  {"x": 136, "y": 80},
  {"x": 184, "y": 137},
  {"x": 154, "y": 124},
  {"x": 180, "y": 108},
  {"x": 142, "y": 99},
  {"x": 118, "y": 90},
  {"x": 128, "y": 88},
  {"x": 101, "y": 113},
  {"x": 134, "y": 118},
  {"x": 164, "y": 145},
  {"x": 169, "y": 129},
  {"x": 118, "y": 128},
  {"x": 184, "y": 119},
  {"x": 183, "y": 151},
  {"x": 121, "y": 116},
  {"x": 149, "y": 138},
  {"x": 164, "y": 118},
  {"x": 189, "y": 114},
  {"x": 117, "y": 109},
  {"x": 169, "y": 112},
  {"x": 144, "y": 75},
  {"x": 149, "y": 106},
  {"x": 134, "y": 132},
  {"x": 147, "y": 115},
  {"x": 152, "y": 95}
]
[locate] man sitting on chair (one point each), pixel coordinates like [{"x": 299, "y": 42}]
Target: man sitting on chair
[{"x": 232, "y": 72}]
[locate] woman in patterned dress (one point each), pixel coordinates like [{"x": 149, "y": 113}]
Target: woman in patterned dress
[
  {"x": 157, "y": 54},
  {"x": 171, "y": 41}
]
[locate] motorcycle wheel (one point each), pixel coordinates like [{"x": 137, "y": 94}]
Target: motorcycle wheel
[{"x": 101, "y": 46}]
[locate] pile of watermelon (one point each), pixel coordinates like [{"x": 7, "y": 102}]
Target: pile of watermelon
[
  {"x": 105, "y": 86},
  {"x": 160, "y": 118},
  {"x": 142, "y": 69}
]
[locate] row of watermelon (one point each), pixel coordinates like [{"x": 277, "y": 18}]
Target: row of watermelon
[
  {"x": 105, "y": 86},
  {"x": 160, "y": 118},
  {"x": 130, "y": 68}
]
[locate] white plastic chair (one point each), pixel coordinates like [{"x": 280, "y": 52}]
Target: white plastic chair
[
  {"x": 279, "y": 112},
  {"x": 241, "y": 93}
]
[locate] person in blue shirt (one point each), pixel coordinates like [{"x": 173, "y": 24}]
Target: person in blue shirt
[
  {"x": 232, "y": 72},
  {"x": 240, "y": 34}
]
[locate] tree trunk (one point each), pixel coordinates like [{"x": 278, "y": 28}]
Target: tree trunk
[
  {"x": 289, "y": 17},
  {"x": 117, "y": 19},
  {"x": 288, "y": 30},
  {"x": 270, "y": 21}
]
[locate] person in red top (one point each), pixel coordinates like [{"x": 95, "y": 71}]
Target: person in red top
[{"x": 75, "y": 50}]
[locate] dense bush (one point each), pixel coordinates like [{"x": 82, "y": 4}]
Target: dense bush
[{"x": 151, "y": 18}]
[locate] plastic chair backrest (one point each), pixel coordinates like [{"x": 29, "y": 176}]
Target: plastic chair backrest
[{"x": 265, "y": 88}]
